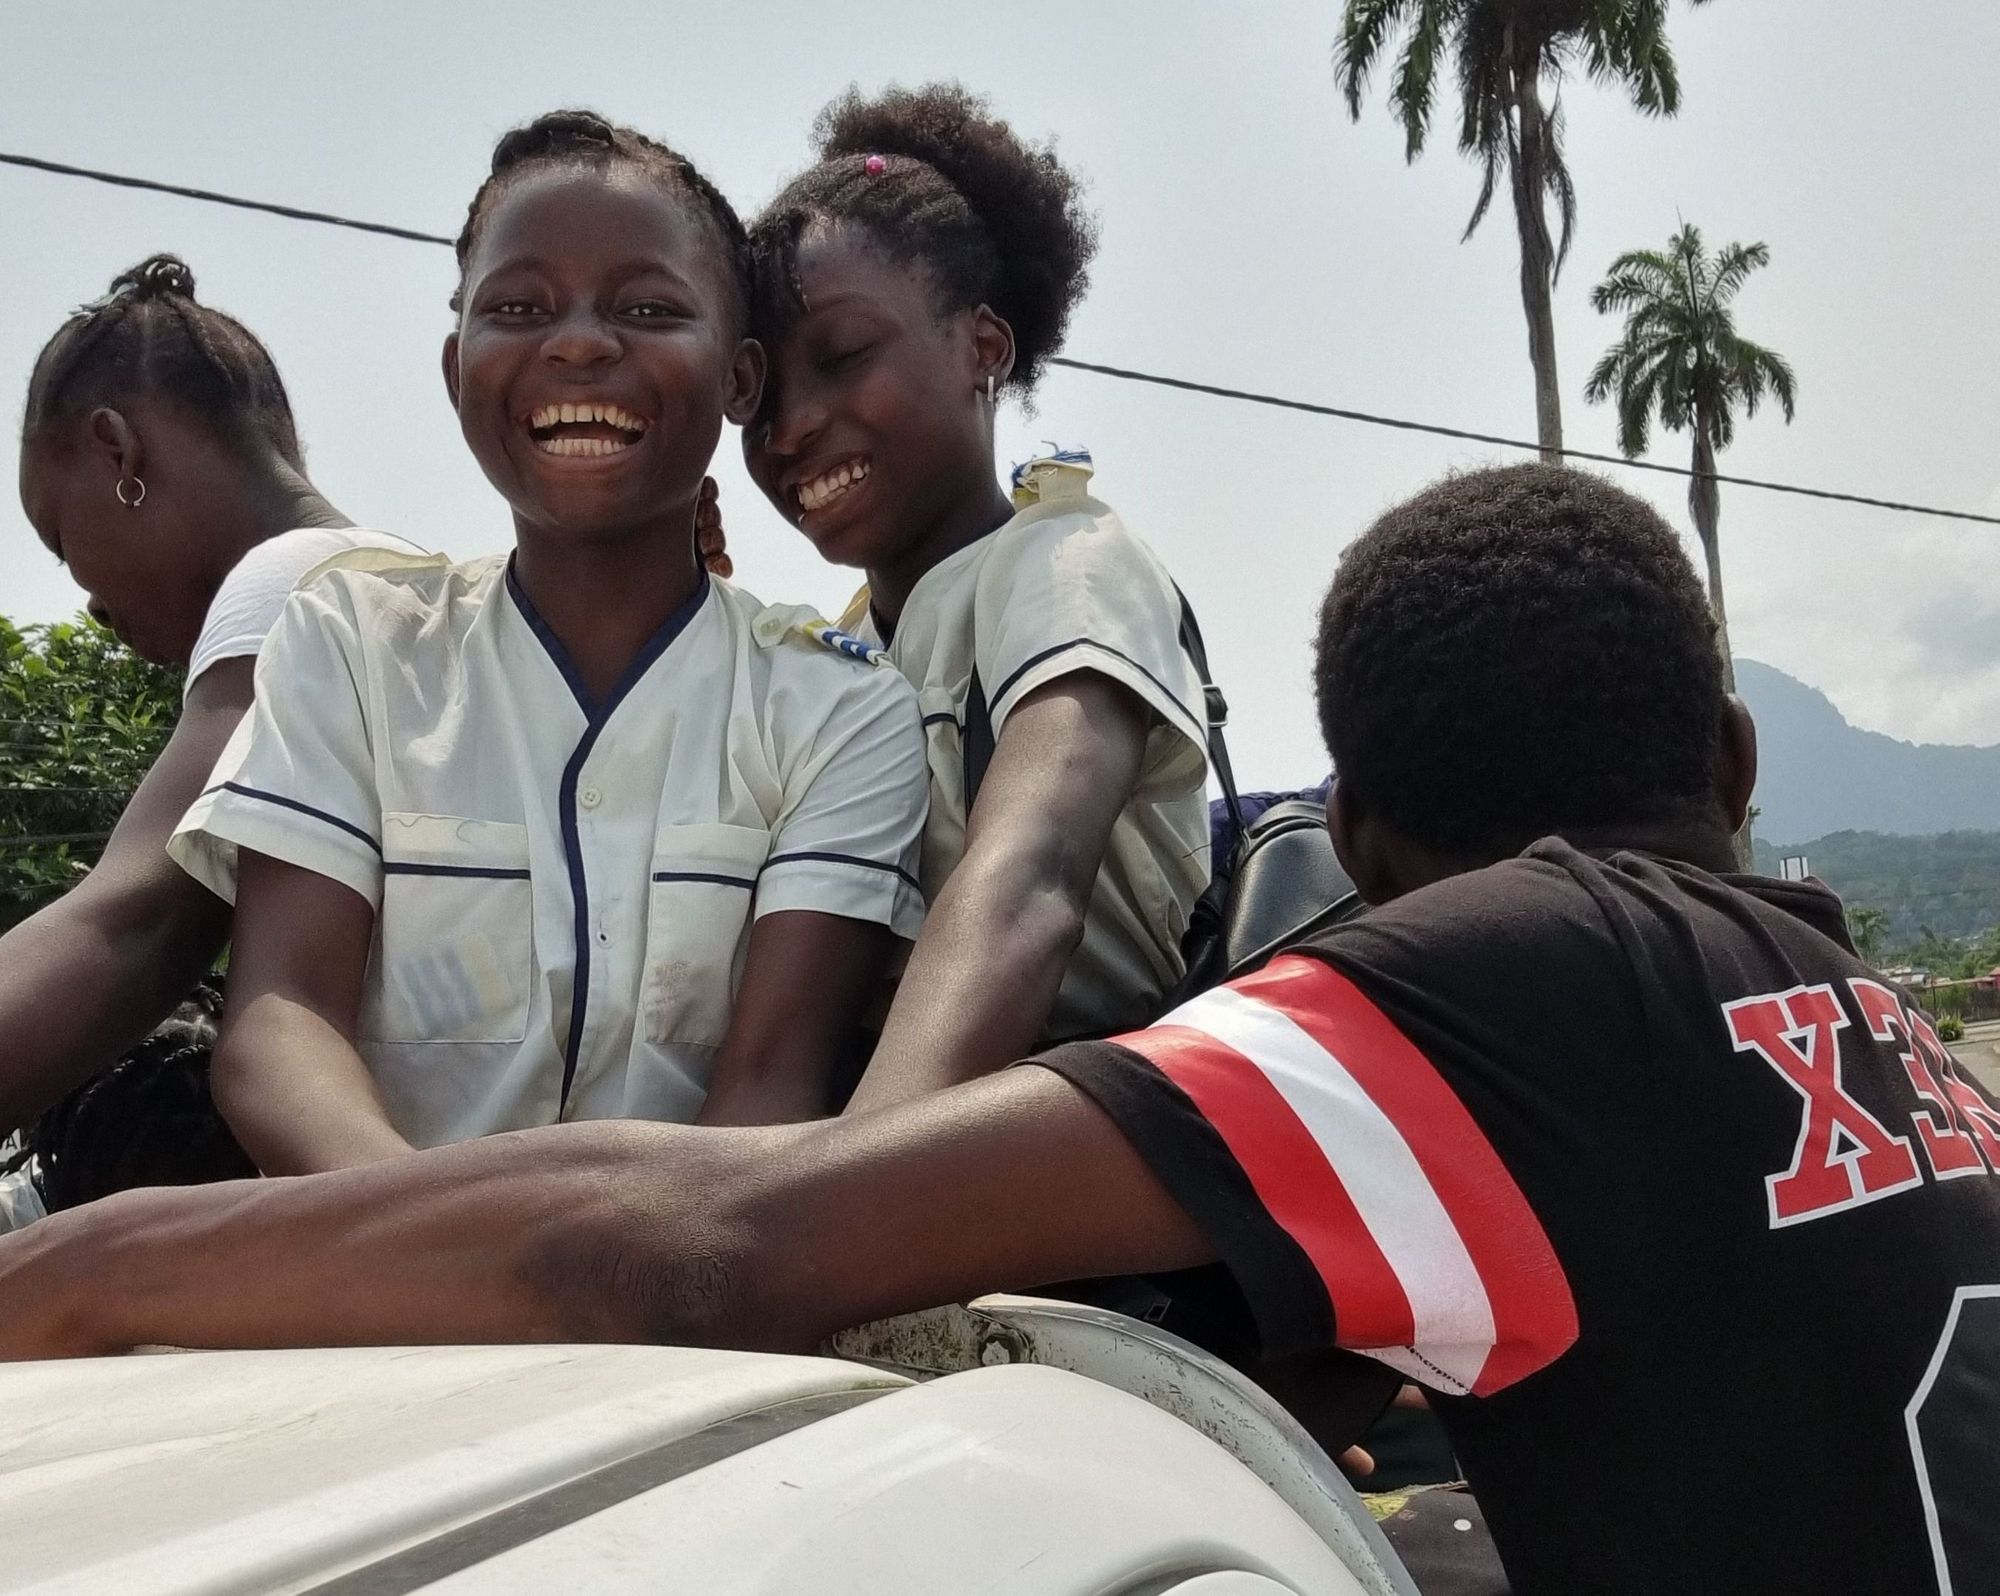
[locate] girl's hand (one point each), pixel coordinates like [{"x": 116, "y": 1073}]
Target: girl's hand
[{"x": 709, "y": 541}]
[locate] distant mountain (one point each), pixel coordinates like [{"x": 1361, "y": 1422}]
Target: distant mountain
[
  {"x": 1949, "y": 883},
  {"x": 1817, "y": 774}
]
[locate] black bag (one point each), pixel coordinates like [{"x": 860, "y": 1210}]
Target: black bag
[{"x": 1280, "y": 882}]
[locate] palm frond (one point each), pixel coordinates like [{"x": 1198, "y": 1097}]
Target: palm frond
[
  {"x": 1489, "y": 182},
  {"x": 1363, "y": 28},
  {"x": 1637, "y": 277},
  {"x": 1635, "y": 410},
  {"x": 1625, "y": 41},
  {"x": 1485, "y": 130},
  {"x": 1415, "y": 87},
  {"x": 1478, "y": 56},
  {"x": 1734, "y": 264},
  {"x": 1604, "y": 375},
  {"x": 1559, "y": 185},
  {"x": 1753, "y": 369}
]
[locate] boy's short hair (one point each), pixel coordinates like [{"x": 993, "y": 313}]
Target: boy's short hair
[{"x": 1517, "y": 652}]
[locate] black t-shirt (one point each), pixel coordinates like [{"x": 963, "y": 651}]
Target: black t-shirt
[{"x": 1685, "y": 1215}]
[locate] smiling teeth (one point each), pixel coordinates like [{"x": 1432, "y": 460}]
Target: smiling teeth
[
  {"x": 823, "y": 490},
  {"x": 609, "y": 415},
  {"x": 580, "y": 448}
]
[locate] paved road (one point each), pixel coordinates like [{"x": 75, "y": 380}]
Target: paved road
[{"x": 1980, "y": 1052}]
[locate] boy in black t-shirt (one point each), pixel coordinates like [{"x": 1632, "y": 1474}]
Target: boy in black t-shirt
[{"x": 1686, "y": 1217}]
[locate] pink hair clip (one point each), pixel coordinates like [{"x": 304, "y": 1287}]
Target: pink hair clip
[{"x": 874, "y": 166}]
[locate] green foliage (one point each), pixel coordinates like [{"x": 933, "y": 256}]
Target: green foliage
[
  {"x": 1681, "y": 356},
  {"x": 81, "y": 721},
  {"x": 1866, "y": 925},
  {"x": 1950, "y": 1028},
  {"x": 1946, "y": 885},
  {"x": 1945, "y": 1003}
]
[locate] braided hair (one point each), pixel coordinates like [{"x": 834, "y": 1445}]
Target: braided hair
[
  {"x": 150, "y": 336},
  {"x": 935, "y": 179},
  {"x": 146, "y": 1121},
  {"x": 584, "y": 137}
]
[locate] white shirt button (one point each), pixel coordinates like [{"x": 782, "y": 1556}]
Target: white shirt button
[{"x": 589, "y": 797}]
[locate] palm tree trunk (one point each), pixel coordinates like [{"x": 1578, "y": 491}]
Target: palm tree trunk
[
  {"x": 1705, "y": 505},
  {"x": 1529, "y": 171}
]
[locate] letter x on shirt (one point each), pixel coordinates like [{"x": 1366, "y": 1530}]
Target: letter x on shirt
[
  {"x": 1686, "y": 1217},
  {"x": 563, "y": 888}
]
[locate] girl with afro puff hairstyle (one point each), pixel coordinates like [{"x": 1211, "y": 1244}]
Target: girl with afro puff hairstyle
[{"x": 922, "y": 270}]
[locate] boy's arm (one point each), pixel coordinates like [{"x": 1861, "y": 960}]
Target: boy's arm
[
  {"x": 771, "y": 1237},
  {"x": 286, "y": 1074},
  {"x": 96, "y": 970}
]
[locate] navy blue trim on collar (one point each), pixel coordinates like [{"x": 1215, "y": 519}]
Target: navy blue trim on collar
[
  {"x": 261, "y": 796},
  {"x": 595, "y": 717},
  {"x": 655, "y": 646}
]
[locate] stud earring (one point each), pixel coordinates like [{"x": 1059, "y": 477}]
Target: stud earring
[{"x": 138, "y": 496}]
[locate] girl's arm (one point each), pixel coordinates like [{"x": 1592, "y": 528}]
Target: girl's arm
[
  {"x": 286, "y": 1075},
  {"x": 808, "y": 979},
  {"x": 987, "y": 967},
  {"x": 106, "y": 962}
]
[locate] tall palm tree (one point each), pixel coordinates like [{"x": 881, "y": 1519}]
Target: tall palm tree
[
  {"x": 1682, "y": 359},
  {"x": 1503, "y": 51}
]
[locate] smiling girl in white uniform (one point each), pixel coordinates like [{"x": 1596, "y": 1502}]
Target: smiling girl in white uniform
[
  {"x": 580, "y": 832},
  {"x": 922, "y": 270}
]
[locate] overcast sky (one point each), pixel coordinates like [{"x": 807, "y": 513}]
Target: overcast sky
[{"x": 1253, "y": 236}]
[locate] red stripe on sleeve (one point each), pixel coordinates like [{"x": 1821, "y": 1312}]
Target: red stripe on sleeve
[
  {"x": 1534, "y": 1315},
  {"x": 1292, "y": 1178}
]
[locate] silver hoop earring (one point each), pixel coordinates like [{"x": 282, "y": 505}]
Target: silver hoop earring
[
  {"x": 139, "y": 495},
  {"x": 989, "y": 389}
]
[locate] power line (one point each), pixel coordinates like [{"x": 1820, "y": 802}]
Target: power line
[
  {"x": 1125, "y": 374},
  {"x": 118, "y": 180},
  {"x": 1309, "y": 408}
]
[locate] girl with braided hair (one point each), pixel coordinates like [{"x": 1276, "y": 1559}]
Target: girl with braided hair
[
  {"x": 577, "y": 832},
  {"x": 924, "y": 267},
  {"x": 160, "y": 463}
]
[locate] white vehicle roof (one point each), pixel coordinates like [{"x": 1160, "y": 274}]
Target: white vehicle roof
[{"x": 587, "y": 1470}]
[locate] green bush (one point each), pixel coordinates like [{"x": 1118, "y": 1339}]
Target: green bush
[
  {"x": 82, "y": 719},
  {"x": 1951, "y": 1029}
]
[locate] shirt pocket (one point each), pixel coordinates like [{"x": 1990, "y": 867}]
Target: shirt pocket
[
  {"x": 455, "y": 938},
  {"x": 704, "y": 880}
]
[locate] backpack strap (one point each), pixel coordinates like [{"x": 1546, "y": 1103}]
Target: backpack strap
[
  {"x": 977, "y": 743},
  {"x": 977, "y": 736},
  {"x": 1215, "y": 711}
]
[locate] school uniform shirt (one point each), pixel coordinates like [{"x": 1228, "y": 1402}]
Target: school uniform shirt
[
  {"x": 563, "y": 888},
  {"x": 1058, "y": 589},
  {"x": 1685, "y": 1216},
  {"x": 246, "y": 606}
]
